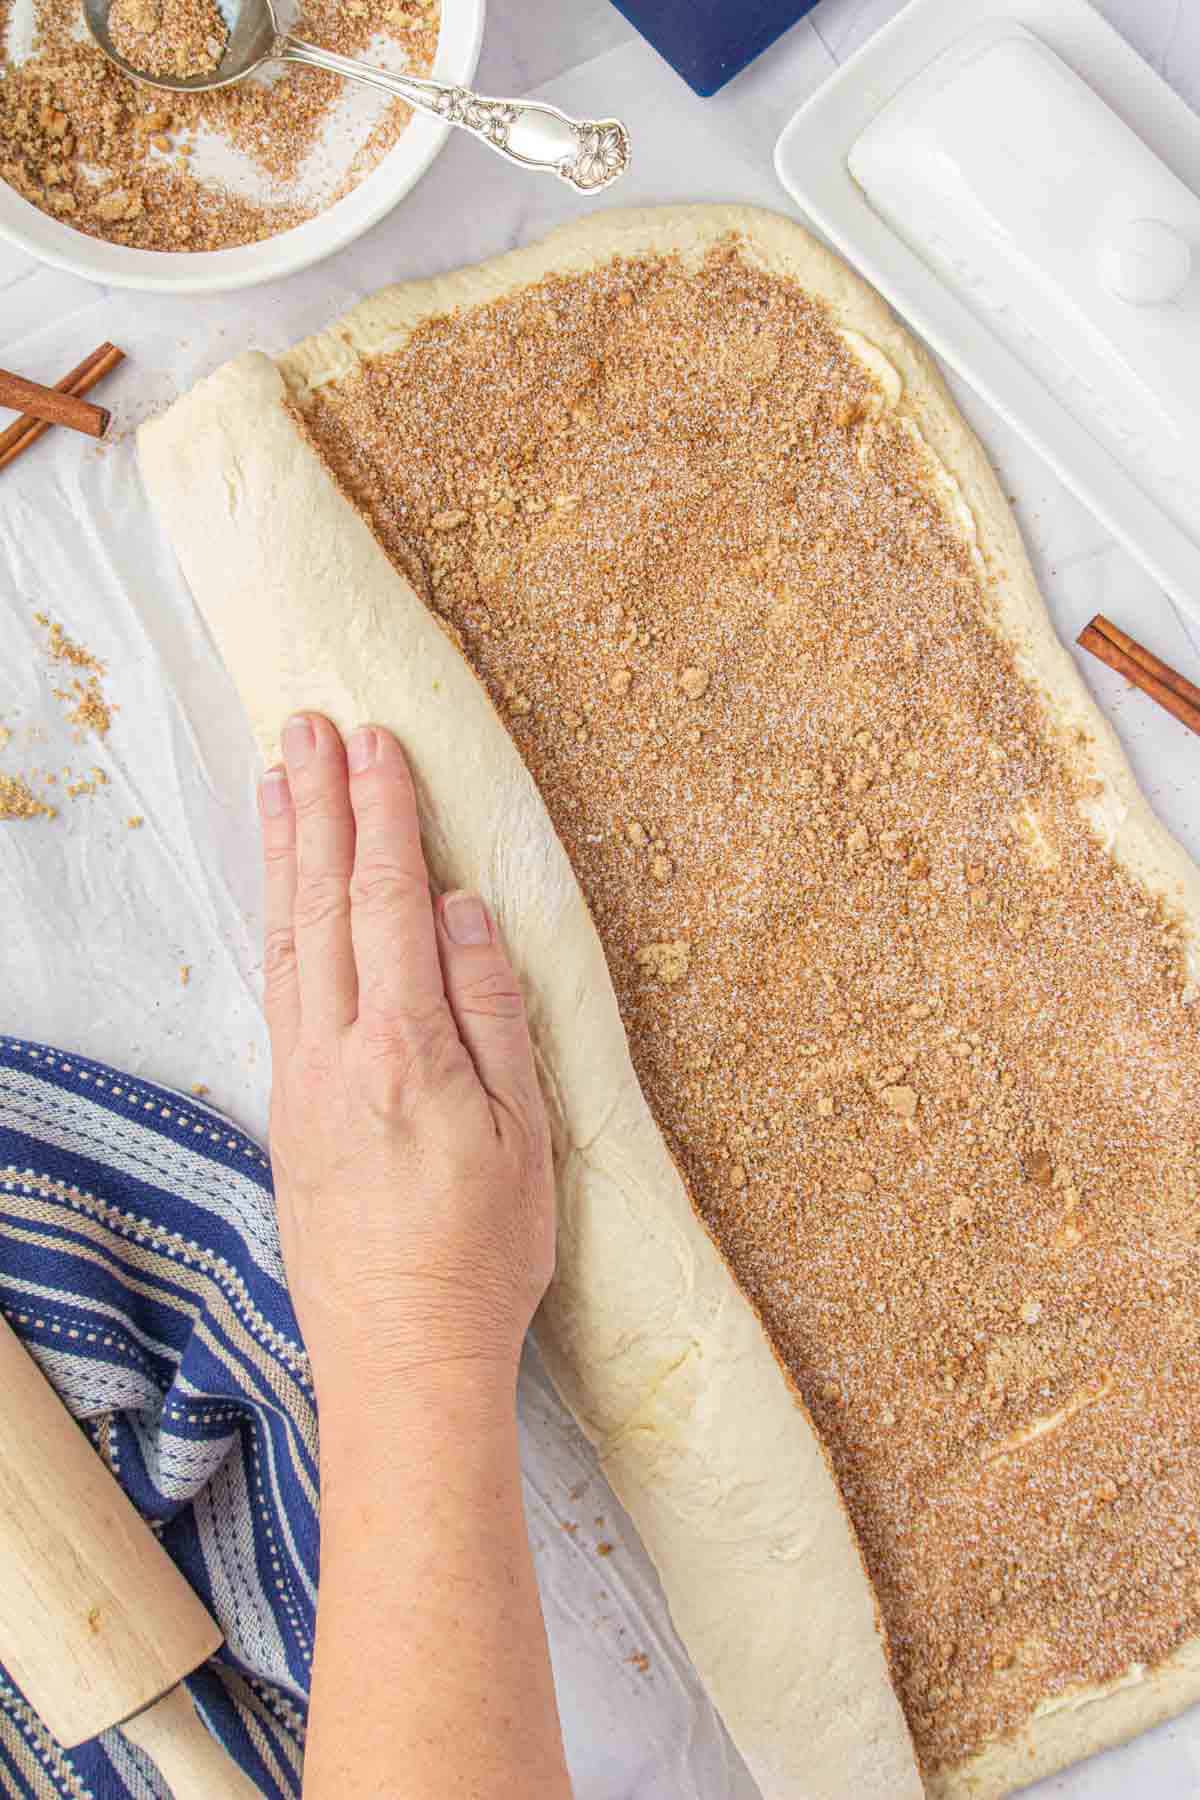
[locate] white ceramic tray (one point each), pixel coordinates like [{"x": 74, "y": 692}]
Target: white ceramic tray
[{"x": 1021, "y": 305}]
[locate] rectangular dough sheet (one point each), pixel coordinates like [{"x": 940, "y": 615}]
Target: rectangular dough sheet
[{"x": 648, "y": 1337}]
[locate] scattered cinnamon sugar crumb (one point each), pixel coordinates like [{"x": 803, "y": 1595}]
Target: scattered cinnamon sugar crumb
[
  {"x": 82, "y": 785},
  {"x": 185, "y": 974},
  {"x": 640, "y": 1661},
  {"x": 135, "y": 822},
  {"x": 200, "y": 1088},
  {"x": 604, "y": 1548},
  {"x": 64, "y": 649},
  {"x": 5, "y": 736},
  {"x": 18, "y": 801},
  {"x": 90, "y": 711}
]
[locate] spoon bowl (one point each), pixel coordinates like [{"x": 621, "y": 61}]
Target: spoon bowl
[{"x": 254, "y": 35}]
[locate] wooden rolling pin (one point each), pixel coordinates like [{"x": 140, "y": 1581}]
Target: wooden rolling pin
[
  {"x": 97, "y": 1625},
  {"x": 52, "y": 405}
]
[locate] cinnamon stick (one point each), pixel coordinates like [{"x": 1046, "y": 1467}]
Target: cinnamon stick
[
  {"x": 27, "y": 430},
  {"x": 1174, "y": 692},
  {"x": 1179, "y": 684},
  {"x": 68, "y": 385},
  {"x": 52, "y": 404}
]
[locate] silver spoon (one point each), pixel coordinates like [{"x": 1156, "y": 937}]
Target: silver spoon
[{"x": 587, "y": 153}]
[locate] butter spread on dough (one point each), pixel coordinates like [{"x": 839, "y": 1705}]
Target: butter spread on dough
[{"x": 660, "y": 1406}]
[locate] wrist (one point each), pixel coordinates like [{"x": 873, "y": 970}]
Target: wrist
[
  {"x": 376, "y": 1423},
  {"x": 358, "y": 1338}
]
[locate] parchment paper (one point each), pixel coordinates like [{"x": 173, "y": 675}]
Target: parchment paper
[{"x": 98, "y": 919}]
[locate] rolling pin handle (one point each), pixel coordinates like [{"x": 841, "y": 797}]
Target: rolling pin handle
[{"x": 186, "y": 1754}]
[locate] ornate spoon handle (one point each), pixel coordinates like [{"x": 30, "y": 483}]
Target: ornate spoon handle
[{"x": 588, "y": 153}]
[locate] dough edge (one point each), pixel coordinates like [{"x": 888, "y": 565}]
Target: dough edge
[{"x": 651, "y": 1401}]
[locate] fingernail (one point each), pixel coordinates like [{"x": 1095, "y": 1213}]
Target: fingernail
[
  {"x": 362, "y": 749},
  {"x": 299, "y": 741},
  {"x": 276, "y": 794},
  {"x": 466, "y": 919}
]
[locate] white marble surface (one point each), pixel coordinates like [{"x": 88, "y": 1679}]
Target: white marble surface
[{"x": 97, "y": 919}]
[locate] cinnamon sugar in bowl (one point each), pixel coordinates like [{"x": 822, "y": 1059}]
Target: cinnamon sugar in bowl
[{"x": 134, "y": 187}]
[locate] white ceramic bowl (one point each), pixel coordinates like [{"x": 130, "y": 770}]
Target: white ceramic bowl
[{"x": 215, "y": 271}]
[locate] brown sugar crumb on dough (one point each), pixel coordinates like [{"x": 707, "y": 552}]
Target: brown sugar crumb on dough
[
  {"x": 177, "y": 38},
  {"x": 18, "y": 801},
  {"x": 135, "y": 822},
  {"x": 667, "y": 963},
  {"x": 948, "y": 1150},
  {"x": 185, "y": 974},
  {"x": 639, "y": 1661},
  {"x": 900, "y": 1100}
]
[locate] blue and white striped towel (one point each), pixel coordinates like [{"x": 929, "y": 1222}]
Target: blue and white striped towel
[{"x": 140, "y": 1263}]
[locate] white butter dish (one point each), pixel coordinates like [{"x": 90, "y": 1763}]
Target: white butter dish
[{"x": 1024, "y": 191}]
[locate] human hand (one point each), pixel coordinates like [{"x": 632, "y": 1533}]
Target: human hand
[{"x": 409, "y": 1142}]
